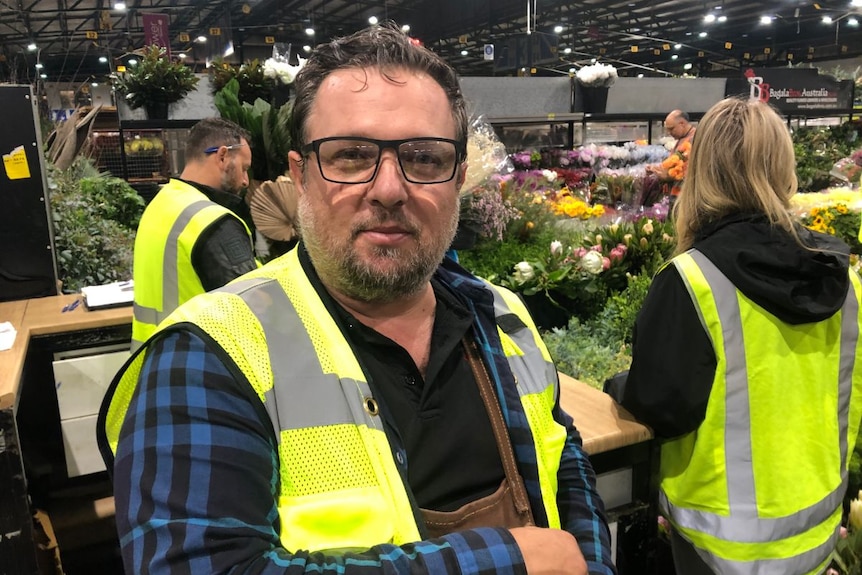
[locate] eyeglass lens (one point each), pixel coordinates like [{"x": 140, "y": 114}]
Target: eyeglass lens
[{"x": 355, "y": 161}]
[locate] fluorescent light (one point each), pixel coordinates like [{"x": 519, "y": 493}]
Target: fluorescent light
[
  {"x": 766, "y": 19},
  {"x": 119, "y": 6},
  {"x": 702, "y": 35},
  {"x": 32, "y": 47}
]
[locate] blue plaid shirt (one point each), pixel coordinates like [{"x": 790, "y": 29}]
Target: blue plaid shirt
[{"x": 196, "y": 475}]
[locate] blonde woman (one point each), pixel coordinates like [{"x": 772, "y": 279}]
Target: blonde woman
[{"x": 744, "y": 360}]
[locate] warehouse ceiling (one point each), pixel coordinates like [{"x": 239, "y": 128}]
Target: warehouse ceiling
[{"x": 639, "y": 36}]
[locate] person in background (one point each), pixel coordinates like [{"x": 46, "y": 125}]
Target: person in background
[
  {"x": 362, "y": 403},
  {"x": 671, "y": 172},
  {"x": 748, "y": 337},
  {"x": 195, "y": 235}
]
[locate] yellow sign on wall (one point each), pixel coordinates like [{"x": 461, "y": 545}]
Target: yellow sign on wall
[
  {"x": 15, "y": 163},
  {"x": 184, "y": 37},
  {"x": 215, "y": 31},
  {"x": 269, "y": 39},
  {"x": 91, "y": 35}
]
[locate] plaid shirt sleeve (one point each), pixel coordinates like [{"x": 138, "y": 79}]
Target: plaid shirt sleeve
[
  {"x": 581, "y": 508},
  {"x": 196, "y": 483}
]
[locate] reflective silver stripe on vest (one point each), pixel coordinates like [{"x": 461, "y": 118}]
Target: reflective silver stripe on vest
[
  {"x": 170, "y": 281},
  {"x": 805, "y": 563},
  {"x": 293, "y": 358},
  {"x": 530, "y": 361},
  {"x": 743, "y": 525}
]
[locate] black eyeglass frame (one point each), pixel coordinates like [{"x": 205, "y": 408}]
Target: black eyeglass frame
[{"x": 314, "y": 146}]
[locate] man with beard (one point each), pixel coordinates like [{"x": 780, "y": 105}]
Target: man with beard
[
  {"x": 195, "y": 235},
  {"x": 362, "y": 404}
]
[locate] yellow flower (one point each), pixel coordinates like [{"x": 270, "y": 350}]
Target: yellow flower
[
  {"x": 856, "y": 514},
  {"x": 841, "y": 209}
]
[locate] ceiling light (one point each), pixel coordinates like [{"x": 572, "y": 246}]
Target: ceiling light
[
  {"x": 827, "y": 20},
  {"x": 640, "y": 75},
  {"x": 674, "y": 57},
  {"x": 856, "y": 3},
  {"x": 567, "y": 50},
  {"x": 43, "y": 76},
  {"x": 405, "y": 28},
  {"x": 852, "y": 21},
  {"x": 309, "y": 31},
  {"x": 39, "y": 65},
  {"x": 677, "y": 46},
  {"x": 32, "y": 47},
  {"x": 709, "y": 18},
  {"x": 373, "y": 20},
  {"x": 702, "y": 35},
  {"x": 687, "y": 66},
  {"x": 103, "y": 59},
  {"x": 133, "y": 62},
  {"x": 572, "y": 70},
  {"x": 182, "y": 55},
  {"x": 119, "y": 6},
  {"x": 201, "y": 39},
  {"x": 95, "y": 84},
  {"x": 464, "y": 52},
  {"x": 307, "y": 48},
  {"x": 766, "y": 19},
  {"x": 558, "y": 29},
  {"x": 722, "y": 18}
]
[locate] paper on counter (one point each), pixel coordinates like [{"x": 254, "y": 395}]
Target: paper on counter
[{"x": 7, "y": 336}]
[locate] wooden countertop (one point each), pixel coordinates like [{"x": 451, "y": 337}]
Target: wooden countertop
[
  {"x": 604, "y": 424},
  {"x": 42, "y": 316}
]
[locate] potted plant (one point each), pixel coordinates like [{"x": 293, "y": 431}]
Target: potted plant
[
  {"x": 154, "y": 82},
  {"x": 594, "y": 81},
  {"x": 253, "y": 83}
]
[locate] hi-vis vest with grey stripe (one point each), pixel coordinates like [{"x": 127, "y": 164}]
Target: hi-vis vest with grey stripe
[
  {"x": 164, "y": 276},
  {"x": 719, "y": 483},
  {"x": 340, "y": 485}
]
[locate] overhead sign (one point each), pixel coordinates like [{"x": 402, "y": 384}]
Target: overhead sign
[
  {"x": 489, "y": 52},
  {"x": 794, "y": 91},
  {"x": 157, "y": 31}
]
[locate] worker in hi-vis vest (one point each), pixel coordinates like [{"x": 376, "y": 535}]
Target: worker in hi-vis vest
[
  {"x": 361, "y": 404},
  {"x": 195, "y": 235},
  {"x": 745, "y": 360}
]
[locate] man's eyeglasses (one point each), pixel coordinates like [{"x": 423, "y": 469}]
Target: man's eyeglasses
[
  {"x": 352, "y": 160},
  {"x": 214, "y": 149}
]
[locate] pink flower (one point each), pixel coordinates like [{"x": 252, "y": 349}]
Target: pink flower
[
  {"x": 579, "y": 253},
  {"x": 606, "y": 263}
]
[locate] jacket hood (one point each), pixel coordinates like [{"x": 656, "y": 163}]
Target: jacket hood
[{"x": 768, "y": 265}]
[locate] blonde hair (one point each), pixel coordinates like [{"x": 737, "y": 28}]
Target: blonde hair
[{"x": 741, "y": 161}]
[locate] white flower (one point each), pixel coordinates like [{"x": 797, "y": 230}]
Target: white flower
[
  {"x": 855, "y": 517},
  {"x": 647, "y": 228},
  {"x": 556, "y": 247},
  {"x": 278, "y": 69},
  {"x": 550, "y": 175},
  {"x": 592, "y": 262},
  {"x": 597, "y": 75},
  {"x": 524, "y": 272}
]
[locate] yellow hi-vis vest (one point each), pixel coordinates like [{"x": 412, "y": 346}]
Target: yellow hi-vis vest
[
  {"x": 163, "y": 272},
  {"x": 758, "y": 487},
  {"x": 339, "y": 484}
]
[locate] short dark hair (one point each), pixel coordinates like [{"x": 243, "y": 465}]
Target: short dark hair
[
  {"x": 211, "y": 132},
  {"x": 384, "y": 47}
]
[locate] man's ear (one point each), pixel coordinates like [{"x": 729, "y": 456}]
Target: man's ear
[
  {"x": 297, "y": 166},
  {"x": 462, "y": 175}
]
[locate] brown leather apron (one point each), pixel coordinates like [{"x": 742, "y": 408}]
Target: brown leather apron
[{"x": 509, "y": 506}]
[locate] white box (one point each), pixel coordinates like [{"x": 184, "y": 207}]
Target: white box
[
  {"x": 79, "y": 443},
  {"x": 81, "y": 382}
]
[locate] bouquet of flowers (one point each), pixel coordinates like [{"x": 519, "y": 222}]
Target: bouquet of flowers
[
  {"x": 278, "y": 67},
  {"x": 597, "y": 75}
]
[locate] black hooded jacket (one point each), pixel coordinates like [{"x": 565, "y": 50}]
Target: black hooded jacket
[{"x": 673, "y": 363}]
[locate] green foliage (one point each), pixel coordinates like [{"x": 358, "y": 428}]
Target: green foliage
[
  {"x": 95, "y": 218},
  {"x": 154, "y": 79},
  {"x": 253, "y": 84},
  {"x": 594, "y": 350},
  {"x": 818, "y": 148},
  {"x": 269, "y": 128}
]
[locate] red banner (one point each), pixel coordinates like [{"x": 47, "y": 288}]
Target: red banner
[{"x": 157, "y": 31}]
